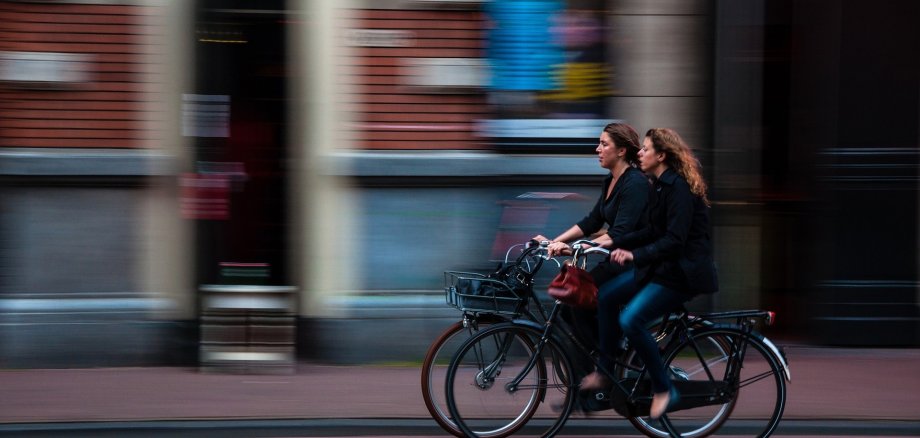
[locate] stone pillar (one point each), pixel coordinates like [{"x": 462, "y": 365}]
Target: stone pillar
[{"x": 660, "y": 58}]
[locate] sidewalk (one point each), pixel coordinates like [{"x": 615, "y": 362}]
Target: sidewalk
[{"x": 827, "y": 383}]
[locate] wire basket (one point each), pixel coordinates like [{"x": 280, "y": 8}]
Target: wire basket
[{"x": 472, "y": 292}]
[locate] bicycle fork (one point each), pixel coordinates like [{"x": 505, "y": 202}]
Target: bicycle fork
[
  {"x": 485, "y": 378},
  {"x": 512, "y": 385}
]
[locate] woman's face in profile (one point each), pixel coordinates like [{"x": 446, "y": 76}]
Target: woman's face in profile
[
  {"x": 606, "y": 151},
  {"x": 648, "y": 157}
]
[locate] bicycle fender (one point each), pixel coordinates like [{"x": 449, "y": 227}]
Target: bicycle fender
[
  {"x": 777, "y": 353},
  {"x": 779, "y": 356},
  {"x": 529, "y": 323}
]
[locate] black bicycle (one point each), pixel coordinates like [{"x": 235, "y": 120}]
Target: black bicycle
[{"x": 525, "y": 372}]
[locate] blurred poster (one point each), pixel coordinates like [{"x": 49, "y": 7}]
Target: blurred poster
[
  {"x": 205, "y": 115},
  {"x": 205, "y": 197},
  {"x": 522, "y": 49},
  {"x": 549, "y": 76}
]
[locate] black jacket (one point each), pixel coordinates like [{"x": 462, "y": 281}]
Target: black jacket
[
  {"x": 625, "y": 211},
  {"x": 675, "y": 249}
]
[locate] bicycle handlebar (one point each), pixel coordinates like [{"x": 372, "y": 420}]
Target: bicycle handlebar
[
  {"x": 595, "y": 248},
  {"x": 577, "y": 246}
]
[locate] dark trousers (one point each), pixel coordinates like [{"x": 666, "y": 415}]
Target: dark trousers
[
  {"x": 639, "y": 308},
  {"x": 584, "y": 323}
]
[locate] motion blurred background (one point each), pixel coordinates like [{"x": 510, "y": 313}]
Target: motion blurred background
[{"x": 238, "y": 183}]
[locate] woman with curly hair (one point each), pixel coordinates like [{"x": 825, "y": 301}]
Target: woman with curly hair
[{"x": 672, "y": 255}]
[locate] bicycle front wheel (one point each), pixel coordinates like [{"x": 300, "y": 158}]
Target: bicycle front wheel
[
  {"x": 502, "y": 377},
  {"x": 434, "y": 370},
  {"x": 728, "y": 380}
]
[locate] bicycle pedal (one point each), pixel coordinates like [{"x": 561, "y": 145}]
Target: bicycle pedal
[{"x": 594, "y": 402}]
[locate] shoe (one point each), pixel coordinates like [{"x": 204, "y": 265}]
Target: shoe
[
  {"x": 678, "y": 373},
  {"x": 662, "y": 401},
  {"x": 594, "y": 381}
]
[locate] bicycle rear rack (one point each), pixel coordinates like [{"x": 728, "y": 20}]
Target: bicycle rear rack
[{"x": 767, "y": 316}]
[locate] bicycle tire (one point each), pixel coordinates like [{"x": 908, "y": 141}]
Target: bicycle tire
[
  {"x": 478, "y": 399},
  {"x": 761, "y": 374},
  {"x": 434, "y": 367}
]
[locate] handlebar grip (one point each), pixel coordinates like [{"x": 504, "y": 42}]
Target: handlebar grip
[{"x": 533, "y": 242}]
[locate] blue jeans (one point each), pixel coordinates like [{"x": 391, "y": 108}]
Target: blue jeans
[{"x": 642, "y": 306}]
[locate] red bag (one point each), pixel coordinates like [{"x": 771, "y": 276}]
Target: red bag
[{"x": 575, "y": 287}]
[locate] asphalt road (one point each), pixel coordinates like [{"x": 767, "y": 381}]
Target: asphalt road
[
  {"x": 833, "y": 392},
  {"x": 418, "y": 428}
]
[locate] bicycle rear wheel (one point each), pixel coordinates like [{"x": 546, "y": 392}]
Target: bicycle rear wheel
[
  {"x": 434, "y": 369},
  {"x": 480, "y": 397},
  {"x": 748, "y": 403}
]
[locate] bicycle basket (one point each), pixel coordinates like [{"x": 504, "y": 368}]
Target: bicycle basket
[{"x": 472, "y": 292}]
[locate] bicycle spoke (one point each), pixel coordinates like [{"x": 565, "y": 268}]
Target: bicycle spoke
[
  {"x": 707, "y": 364},
  {"x": 754, "y": 379},
  {"x": 542, "y": 385}
]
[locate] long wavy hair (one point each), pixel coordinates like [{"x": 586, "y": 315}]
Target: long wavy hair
[
  {"x": 679, "y": 157},
  {"x": 625, "y": 136}
]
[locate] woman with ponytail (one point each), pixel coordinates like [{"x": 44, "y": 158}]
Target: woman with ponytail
[{"x": 621, "y": 208}]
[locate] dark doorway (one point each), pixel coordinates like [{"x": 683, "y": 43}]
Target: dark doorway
[{"x": 237, "y": 114}]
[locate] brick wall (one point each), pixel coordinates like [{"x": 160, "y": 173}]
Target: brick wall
[
  {"x": 106, "y": 108},
  {"x": 390, "y": 113}
]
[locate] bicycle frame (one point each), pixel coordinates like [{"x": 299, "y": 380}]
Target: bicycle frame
[{"x": 547, "y": 330}]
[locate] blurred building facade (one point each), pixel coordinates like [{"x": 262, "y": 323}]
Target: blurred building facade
[
  {"x": 166, "y": 164},
  {"x": 87, "y": 167}
]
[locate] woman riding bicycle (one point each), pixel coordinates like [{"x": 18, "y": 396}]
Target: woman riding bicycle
[
  {"x": 672, "y": 256},
  {"x": 621, "y": 207}
]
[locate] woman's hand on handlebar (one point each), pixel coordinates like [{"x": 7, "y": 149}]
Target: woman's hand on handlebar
[
  {"x": 554, "y": 248},
  {"x": 558, "y": 248}
]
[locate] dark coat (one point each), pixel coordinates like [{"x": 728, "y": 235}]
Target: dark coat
[
  {"x": 675, "y": 249},
  {"x": 625, "y": 211}
]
